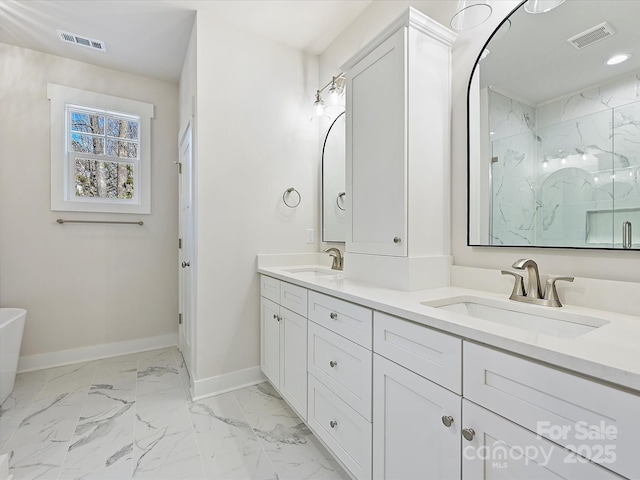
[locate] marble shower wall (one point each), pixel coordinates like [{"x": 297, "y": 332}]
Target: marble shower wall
[{"x": 566, "y": 172}]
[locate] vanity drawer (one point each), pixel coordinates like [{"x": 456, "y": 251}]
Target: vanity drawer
[
  {"x": 293, "y": 298},
  {"x": 427, "y": 352},
  {"x": 345, "y": 432},
  {"x": 270, "y": 288},
  {"x": 343, "y": 366},
  {"x": 595, "y": 420},
  {"x": 344, "y": 318}
]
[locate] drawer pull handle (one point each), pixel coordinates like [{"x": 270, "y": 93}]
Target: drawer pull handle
[
  {"x": 468, "y": 433},
  {"x": 333, "y": 315},
  {"x": 333, "y": 424},
  {"x": 333, "y": 364},
  {"x": 447, "y": 420}
]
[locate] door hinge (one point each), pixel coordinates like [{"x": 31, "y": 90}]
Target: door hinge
[
  {"x": 179, "y": 243},
  {"x": 179, "y": 319}
]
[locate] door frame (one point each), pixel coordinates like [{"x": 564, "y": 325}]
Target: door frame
[{"x": 187, "y": 252}]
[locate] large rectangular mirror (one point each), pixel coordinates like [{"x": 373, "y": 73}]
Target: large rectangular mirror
[{"x": 554, "y": 129}]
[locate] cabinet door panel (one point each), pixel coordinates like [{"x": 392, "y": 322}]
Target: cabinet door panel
[
  {"x": 580, "y": 414},
  {"x": 345, "y": 431},
  {"x": 270, "y": 340},
  {"x": 293, "y": 360},
  {"x": 502, "y": 450},
  {"x": 432, "y": 354},
  {"x": 270, "y": 288},
  {"x": 342, "y": 366},
  {"x": 410, "y": 440},
  {"x": 294, "y": 298},
  {"x": 376, "y": 151}
]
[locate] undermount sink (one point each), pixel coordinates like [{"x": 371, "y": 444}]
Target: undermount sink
[
  {"x": 544, "y": 320},
  {"x": 314, "y": 270}
]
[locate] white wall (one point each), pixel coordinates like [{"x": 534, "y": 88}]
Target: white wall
[
  {"x": 255, "y": 140},
  {"x": 595, "y": 264},
  {"x": 82, "y": 285}
]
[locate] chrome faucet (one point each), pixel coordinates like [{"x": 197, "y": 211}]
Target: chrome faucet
[
  {"x": 336, "y": 255},
  {"x": 533, "y": 293}
]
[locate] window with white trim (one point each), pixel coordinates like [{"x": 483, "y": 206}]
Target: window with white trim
[{"x": 100, "y": 152}]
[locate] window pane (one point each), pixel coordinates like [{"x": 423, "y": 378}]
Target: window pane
[
  {"x": 87, "y": 123},
  {"x": 94, "y": 178},
  {"x": 87, "y": 144},
  {"x": 122, "y": 149},
  {"x": 122, "y": 128}
]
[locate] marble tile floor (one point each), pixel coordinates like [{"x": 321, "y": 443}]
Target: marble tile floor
[{"x": 131, "y": 417}]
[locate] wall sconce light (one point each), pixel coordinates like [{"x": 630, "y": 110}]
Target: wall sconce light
[
  {"x": 470, "y": 14},
  {"x": 335, "y": 99}
]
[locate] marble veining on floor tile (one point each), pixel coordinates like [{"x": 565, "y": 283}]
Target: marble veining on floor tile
[{"x": 131, "y": 417}]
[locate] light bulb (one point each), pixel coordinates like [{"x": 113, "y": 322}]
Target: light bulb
[{"x": 318, "y": 109}]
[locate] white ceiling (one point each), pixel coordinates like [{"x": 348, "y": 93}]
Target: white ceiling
[{"x": 150, "y": 37}]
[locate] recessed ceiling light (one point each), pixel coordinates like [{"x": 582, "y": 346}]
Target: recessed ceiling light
[{"x": 616, "y": 59}]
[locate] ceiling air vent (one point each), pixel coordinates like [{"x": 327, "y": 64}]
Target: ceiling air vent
[
  {"x": 592, "y": 35},
  {"x": 82, "y": 41}
]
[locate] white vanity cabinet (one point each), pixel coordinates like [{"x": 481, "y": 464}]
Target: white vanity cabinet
[
  {"x": 398, "y": 117},
  {"x": 283, "y": 340},
  {"x": 340, "y": 369},
  {"x": 416, "y": 421},
  {"x": 573, "y": 414},
  {"x": 393, "y": 399},
  {"x": 502, "y": 450}
]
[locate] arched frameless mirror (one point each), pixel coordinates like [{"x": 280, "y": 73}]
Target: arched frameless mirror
[
  {"x": 554, "y": 131},
  {"x": 333, "y": 182}
]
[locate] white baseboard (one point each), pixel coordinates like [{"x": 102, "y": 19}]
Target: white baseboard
[
  {"x": 227, "y": 382},
  {"x": 94, "y": 352}
]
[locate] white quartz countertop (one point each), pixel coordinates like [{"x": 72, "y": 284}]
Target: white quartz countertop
[{"x": 610, "y": 353}]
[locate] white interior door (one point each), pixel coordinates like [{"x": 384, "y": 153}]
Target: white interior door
[{"x": 186, "y": 255}]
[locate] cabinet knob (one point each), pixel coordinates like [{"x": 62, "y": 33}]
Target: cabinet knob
[
  {"x": 447, "y": 420},
  {"x": 277, "y": 317},
  {"x": 333, "y": 315},
  {"x": 186, "y": 264},
  {"x": 333, "y": 364},
  {"x": 468, "y": 433},
  {"x": 397, "y": 240},
  {"x": 333, "y": 424}
]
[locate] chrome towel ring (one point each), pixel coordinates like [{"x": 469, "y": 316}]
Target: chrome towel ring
[{"x": 287, "y": 194}]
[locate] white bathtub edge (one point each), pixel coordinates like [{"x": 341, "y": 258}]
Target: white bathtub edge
[{"x": 94, "y": 352}]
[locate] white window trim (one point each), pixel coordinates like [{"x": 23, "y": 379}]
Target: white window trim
[{"x": 62, "y": 198}]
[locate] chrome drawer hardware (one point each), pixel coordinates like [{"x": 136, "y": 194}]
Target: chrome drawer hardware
[
  {"x": 276, "y": 317},
  {"x": 333, "y": 315},
  {"x": 333, "y": 424},
  {"x": 397, "y": 240},
  {"x": 447, "y": 420},
  {"x": 333, "y": 364},
  {"x": 468, "y": 433}
]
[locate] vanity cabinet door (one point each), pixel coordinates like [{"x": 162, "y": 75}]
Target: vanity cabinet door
[
  {"x": 270, "y": 340},
  {"x": 293, "y": 360},
  {"x": 410, "y": 438},
  {"x": 376, "y": 158},
  {"x": 501, "y": 450}
]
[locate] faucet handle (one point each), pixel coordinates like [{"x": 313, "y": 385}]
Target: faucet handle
[
  {"x": 550, "y": 291},
  {"x": 518, "y": 285}
]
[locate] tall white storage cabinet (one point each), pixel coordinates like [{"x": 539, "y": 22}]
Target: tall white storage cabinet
[{"x": 398, "y": 156}]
